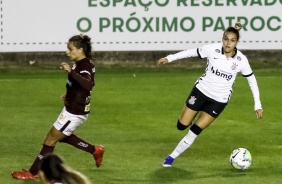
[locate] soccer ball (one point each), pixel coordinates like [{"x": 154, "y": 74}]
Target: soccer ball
[{"x": 241, "y": 158}]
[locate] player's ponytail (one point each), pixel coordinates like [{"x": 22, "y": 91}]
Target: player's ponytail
[{"x": 235, "y": 29}]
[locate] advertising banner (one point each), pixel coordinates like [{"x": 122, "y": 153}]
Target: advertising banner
[{"x": 137, "y": 25}]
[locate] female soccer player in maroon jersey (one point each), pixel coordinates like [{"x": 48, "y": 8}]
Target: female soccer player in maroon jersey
[{"x": 76, "y": 106}]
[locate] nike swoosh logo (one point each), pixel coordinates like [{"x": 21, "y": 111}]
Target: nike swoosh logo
[{"x": 235, "y": 155}]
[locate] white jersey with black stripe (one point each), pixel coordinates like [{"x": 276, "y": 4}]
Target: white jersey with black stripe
[{"x": 220, "y": 73}]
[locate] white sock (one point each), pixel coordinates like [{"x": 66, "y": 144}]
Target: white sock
[{"x": 184, "y": 144}]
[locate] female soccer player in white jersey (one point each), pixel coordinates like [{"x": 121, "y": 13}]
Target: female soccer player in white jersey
[{"x": 213, "y": 89}]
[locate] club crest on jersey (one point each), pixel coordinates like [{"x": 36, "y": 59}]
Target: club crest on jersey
[
  {"x": 217, "y": 50},
  {"x": 234, "y": 66},
  {"x": 192, "y": 100},
  {"x": 73, "y": 66},
  {"x": 239, "y": 58}
]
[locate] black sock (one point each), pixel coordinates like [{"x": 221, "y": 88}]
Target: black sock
[
  {"x": 196, "y": 129},
  {"x": 180, "y": 126},
  {"x": 35, "y": 166},
  {"x": 79, "y": 143}
]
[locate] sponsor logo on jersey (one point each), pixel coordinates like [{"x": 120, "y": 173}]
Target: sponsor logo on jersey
[
  {"x": 69, "y": 83},
  {"x": 87, "y": 99},
  {"x": 192, "y": 100},
  {"x": 40, "y": 157},
  {"x": 228, "y": 77}
]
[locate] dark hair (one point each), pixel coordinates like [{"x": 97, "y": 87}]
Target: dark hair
[
  {"x": 54, "y": 170},
  {"x": 84, "y": 42},
  {"x": 234, "y": 29},
  {"x": 51, "y": 165}
]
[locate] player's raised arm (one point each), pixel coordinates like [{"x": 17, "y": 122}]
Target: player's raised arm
[{"x": 180, "y": 55}]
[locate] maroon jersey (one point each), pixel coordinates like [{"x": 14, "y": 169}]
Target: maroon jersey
[{"x": 79, "y": 85}]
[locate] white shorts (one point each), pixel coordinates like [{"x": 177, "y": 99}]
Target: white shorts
[{"x": 67, "y": 122}]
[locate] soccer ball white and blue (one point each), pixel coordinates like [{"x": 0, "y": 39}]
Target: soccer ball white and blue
[{"x": 241, "y": 158}]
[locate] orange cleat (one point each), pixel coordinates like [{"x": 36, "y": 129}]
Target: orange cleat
[
  {"x": 24, "y": 175},
  {"x": 98, "y": 155}
]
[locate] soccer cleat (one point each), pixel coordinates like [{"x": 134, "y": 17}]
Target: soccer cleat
[
  {"x": 98, "y": 155},
  {"x": 23, "y": 175},
  {"x": 168, "y": 161}
]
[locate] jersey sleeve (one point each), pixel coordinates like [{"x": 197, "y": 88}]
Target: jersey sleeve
[
  {"x": 84, "y": 77},
  {"x": 248, "y": 73},
  {"x": 203, "y": 51},
  {"x": 182, "y": 54},
  {"x": 255, "y": 91}
]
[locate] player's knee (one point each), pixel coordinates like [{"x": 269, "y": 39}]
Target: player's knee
[
  {"x": 196, "y": 129},
  {"x": 64, "y": 140},
  {"x": 50, "y": 142},
  {"x": 180, "y": 126}
]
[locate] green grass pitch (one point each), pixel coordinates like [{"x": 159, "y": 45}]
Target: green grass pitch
[{"x": 133, "y": 114}]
